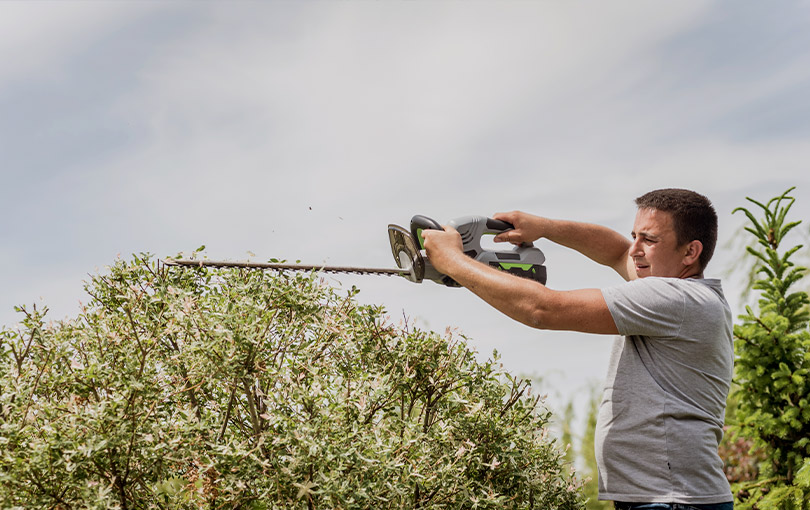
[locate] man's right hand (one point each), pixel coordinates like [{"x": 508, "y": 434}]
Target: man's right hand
[{"x": 528, "y": 228}]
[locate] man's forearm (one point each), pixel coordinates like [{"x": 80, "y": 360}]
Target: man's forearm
[
  {"x": 524, "y": 300},
  {"x": 516, "y": 297},
  {"x": 598, "y": 243},
  {"x": 601, "y": 244},
  {"x": 531, "y": 303}
]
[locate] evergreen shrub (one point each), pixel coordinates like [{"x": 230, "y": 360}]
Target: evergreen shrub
[{"x": 772, "y": 369}]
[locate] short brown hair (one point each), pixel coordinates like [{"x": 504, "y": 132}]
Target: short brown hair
[{"x": 693, "y": 217}]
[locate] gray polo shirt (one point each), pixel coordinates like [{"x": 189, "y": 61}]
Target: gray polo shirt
[{"x": 662, "y": 411}]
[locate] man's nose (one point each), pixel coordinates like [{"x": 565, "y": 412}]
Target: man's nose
[{"x": 635, "y": 249}]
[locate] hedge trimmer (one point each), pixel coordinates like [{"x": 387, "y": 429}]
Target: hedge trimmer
[{"x": 407, "y": 247}]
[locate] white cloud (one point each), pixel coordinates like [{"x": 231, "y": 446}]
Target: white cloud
[{"x": 37, "y": 38}]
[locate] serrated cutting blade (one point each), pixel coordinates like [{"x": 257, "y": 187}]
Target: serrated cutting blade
[
  {"x": 403, "y": 247},
  {"x": 288, "y": 267}
]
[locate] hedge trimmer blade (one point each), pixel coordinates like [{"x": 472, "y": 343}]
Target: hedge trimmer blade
[
  {"x": 403, "y": 247},
  {"x": 288, "y": 267}
]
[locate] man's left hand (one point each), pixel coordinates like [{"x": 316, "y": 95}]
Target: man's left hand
[{"x": 442, "y": 247}]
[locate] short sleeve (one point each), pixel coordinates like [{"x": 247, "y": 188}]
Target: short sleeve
[{"x": 649, "y": 306}]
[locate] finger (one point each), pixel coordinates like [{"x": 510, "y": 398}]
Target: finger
[
  {"x": 425, "y": 238},
  {"x": 503, "y": 237},
  {"x": 502, "y": 216}
]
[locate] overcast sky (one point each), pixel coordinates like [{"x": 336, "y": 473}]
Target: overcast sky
[{"x": 299, "y": 130}]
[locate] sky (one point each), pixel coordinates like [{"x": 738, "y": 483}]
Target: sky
[{"x": 300, "y": 130}]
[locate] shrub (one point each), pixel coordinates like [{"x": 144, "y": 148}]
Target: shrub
[{"x": 228, "y": 388}]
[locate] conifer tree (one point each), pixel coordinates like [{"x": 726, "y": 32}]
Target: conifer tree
[{"x": 772, "y": 368}]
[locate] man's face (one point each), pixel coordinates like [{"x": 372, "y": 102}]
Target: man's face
[{"x": 655, "y": 250}]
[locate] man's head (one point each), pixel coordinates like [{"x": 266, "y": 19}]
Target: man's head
[{"x": 690, "y": 216}]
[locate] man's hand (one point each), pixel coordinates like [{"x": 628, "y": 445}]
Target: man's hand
[
  {"x": 528, "y": 228},
  {"x": 443, "y": 247}
]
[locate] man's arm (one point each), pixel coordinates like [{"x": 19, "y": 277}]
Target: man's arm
[
  {"x": 524, "y": 300},
  {"x": 600, "y": 244}
]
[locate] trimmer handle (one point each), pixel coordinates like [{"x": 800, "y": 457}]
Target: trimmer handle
[
  {"x": 420, "y": 223},
  {"x": 497, "y": 226}
]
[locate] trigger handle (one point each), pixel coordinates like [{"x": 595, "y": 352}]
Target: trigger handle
[{"x": 497, "y": 226}]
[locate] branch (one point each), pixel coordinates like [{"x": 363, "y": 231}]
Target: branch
[
  {"x": 228, "y": 411},
  {"x": 254, "y": 418}
]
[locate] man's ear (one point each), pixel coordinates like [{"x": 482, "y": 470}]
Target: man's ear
[{"x": 693, "y": 249}]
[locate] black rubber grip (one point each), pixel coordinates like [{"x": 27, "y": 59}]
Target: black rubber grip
[
  {"x": 425, "y": 223},
  {"x": 420, "y": 223},
  {"x": 498, "y": 225}
]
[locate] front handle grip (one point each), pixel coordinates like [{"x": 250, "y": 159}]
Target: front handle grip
[{"x": 420, "y": 223}]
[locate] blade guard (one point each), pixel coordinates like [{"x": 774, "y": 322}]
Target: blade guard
[
  {"x": 406, "y": 253},
  {"x": 525, "y": 260}
]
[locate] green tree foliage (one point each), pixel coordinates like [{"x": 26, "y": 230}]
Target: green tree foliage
[
  {"x": 741, "y": 459},
  {"x": 585, "y": 453},
  {"x": 773, "y": 367},
  {"x": 198, "y": 388},
  {"x": 588, "y": 454}
]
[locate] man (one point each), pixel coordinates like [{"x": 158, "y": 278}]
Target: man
[{"x": 661, "y": 415}]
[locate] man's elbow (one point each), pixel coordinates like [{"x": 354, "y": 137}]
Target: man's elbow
[
  {"x": 542, "y": 317},
  {"x": 545, "y": 309}
]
